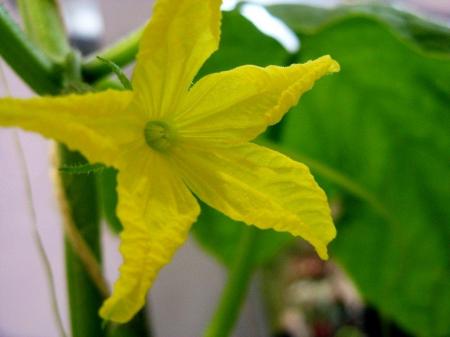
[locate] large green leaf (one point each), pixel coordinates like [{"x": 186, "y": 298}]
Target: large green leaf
[
  {"x": 241, "y": 43},
  {"x": 383, "y": 121},
  {"x": 420, "y": 33}
]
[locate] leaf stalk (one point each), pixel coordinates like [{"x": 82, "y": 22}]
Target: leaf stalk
[{"x": 235, "y": 290}]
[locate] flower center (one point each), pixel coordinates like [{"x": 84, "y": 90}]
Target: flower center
[{"x": 159, "y": 135}]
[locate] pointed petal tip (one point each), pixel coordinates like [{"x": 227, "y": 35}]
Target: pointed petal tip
[
  {"x": 329, "y": 63},
  {"x": 323, "y": 254},
  {"x": 110, "y": 312},
  {"x": 321, "y": 247},
  {"x": 107, "y": 315},
  {"x": 334, "y": 67},
  {"x": 322, "y": 251}
]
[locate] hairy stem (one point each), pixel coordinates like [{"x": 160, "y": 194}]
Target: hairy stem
[
  {"x": 82, "y": 230},
  {"x": 33, "y": 66}
]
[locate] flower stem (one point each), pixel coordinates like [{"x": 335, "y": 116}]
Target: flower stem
[
  {"x": 80, "y": 196},
  {"x": 121, "y": 53},
  {"x": 139, "y": 326},
  {"x": 234, "y": 292}
]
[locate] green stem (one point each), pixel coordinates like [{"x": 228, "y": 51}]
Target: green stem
[
  {"x": 233, "y": 294},
  {"x": 139, "y": 326},
  {"x": 78, "y": 244},
  {"x": 45, "y": 27},
  {"x": 85, "y": 299},
  {"x": 33, "y": 66},
  {"x": 121, "y": 53}
]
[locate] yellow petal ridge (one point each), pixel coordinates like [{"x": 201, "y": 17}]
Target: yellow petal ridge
[
  {"x": 180, "y": 36},
  {"x": 157, "y": 211},
  {"x": 94, "y": 123},
  {"x": 260, "y": 187},
  {"x": 233, "y": 107}
]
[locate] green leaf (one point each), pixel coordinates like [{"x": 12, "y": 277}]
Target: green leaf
[
  {"x": 241, "y": 43},
  {"x": 383, "y": 121},
  {"x": 428, "y": 36}
]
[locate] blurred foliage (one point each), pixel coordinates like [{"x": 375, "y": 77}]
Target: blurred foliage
[
  {"x": 426, "y": 35},
  {"x": 242, "y": 43},
  {"x": 220, "y": 235},
  {"x": 383, "y": 122}
]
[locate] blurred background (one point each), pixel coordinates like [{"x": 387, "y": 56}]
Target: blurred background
[{"x": 383, "y": 123}]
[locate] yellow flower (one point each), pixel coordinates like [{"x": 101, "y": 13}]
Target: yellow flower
[{"x": 169, "y": 137}]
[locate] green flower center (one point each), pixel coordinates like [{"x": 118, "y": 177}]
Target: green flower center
[{"x": 159, "y": 135}]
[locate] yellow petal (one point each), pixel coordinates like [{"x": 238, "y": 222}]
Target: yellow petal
[
  {"x": 95, "y": 124},
  {"x": 179, "y": 38},
  {"x": 260, "y": 187},
  {"x": 157, "y": 211},
  {"x": 235, "y": 106}
]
